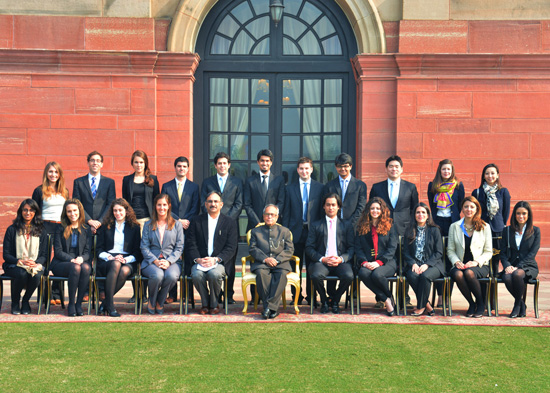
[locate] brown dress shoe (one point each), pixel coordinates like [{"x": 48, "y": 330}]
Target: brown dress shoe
[
  {"x": 215, "y": 310},
  {"x": 85, "y": 298},
  {"x": 204, "y": 311},
  {"x": 101, "y": 296},
  {"x": 169, "y": 300}
]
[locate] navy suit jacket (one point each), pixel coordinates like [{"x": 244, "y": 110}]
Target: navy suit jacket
[
  {"x": 498, "y": 222},
  {"x": 226, "y": 238},
  {"x": 356, "y": 198},
  {"x": 433, "y": 249},
  {"x": 150, "y": 192},
  {"x": 132, "y": 240},
  {"x": 232, "y": 196},
  {"x": 95, "y": 208},
  {"x": 188, "y": 207},
  {"x": 254, "y": 201},
  {"x": 317, "y": 240},
  {"x": 524, "y": 256},
  {"x": 62, "y": 246},
  {"x": 294, "y": 208},
  {"x": 387, "y": 247},
  {"x": 458, "y": 196},
  {"x": 406, "y": 201}
]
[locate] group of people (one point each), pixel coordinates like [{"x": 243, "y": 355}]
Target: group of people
[{"x": 334, "y": 229}]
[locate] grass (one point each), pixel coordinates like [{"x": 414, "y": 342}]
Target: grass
[{"x": 146, "y": 357}]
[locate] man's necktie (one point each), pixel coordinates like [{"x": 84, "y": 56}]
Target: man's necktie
[
  {"x": 180, "y": 191},
  {"x": 305, "y": 202},
  {"x": 94, "y": 188}
]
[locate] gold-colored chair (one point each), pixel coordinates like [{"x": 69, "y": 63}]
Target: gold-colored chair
[{"x": 249, "y": 278}]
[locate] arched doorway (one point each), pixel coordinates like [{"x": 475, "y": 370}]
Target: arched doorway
[{"x": 289, "y": 88}]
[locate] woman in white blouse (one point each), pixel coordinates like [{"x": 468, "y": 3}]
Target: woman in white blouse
[
  {"x": 50, "y": 196},
  {"x": 470, "y": 249}
]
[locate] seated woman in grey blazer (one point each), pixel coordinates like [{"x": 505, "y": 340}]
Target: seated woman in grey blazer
[
  {"x": 520, "y": 244},
  {"x": 423, "y": 253},
  {"x": 470, "y": 249},
  {"x": 161, "y": 246}
]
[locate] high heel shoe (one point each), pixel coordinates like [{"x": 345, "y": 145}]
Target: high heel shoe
[
  {"x": 392, "y": 312},
  {"x": 471, "y": 310},
  {"x": 515, "y": 310},
  {"x": 71, "y": 312},
  {"x": 418, "y": 313},
  {"x": 78, "y": 309},
  {"x": 430, "y": 313},
  {"x": 101, "y": 309},
  {"x": 522, "y": 310}
]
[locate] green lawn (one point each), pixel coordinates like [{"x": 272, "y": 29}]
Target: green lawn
[{"x": 145, "y": 357}]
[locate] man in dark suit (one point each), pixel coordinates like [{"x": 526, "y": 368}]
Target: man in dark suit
[
  {"x": 400, "y": 196},
  {"x": 211, "y": 242},
  {"x": 330, "y": 245},
  {"x": 231, "y": 189},
  {"x": 263, "y": 189},
  {"x": 185, "y": 198},
  {"x": 94, "y": 191},
  {"x": 302, "y": 207},
  {"x": 352, "y": 191},
  {"x": 271, "y": 247}
]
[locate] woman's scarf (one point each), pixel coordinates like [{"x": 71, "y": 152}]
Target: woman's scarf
[
  {"x": 444, "y": 197},
  {"x": 492, "y": 201}
]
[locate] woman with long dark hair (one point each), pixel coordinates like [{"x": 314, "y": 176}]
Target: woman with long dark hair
[
  {"x": 470, "y": 249},
  {"x": 161, "y": 246},
  {"x": 520, "y": 244},
  {"x": 375, "y": 245},
  {"x": 118, "y": 251},
  {"x": 423, "y": 254},
  {"x": 25, "y": 253},
  {"x": 50, "y": 196},
  {"x": 72, "y": 249}
]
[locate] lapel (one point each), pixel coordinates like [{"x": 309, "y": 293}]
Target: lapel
[
  {"x": 386, "y": 194},
  {"x": 298, "y": 195},
  {"x": 87, "y": 186},
  {"x": 217, "y": 183},
  {"x": 261, "y": 188},
  {"x": 204, "y": 227},
  {"x": 325, "y": 233},
  {"x": 100, "y": 188},
  {"x": 131, "y": 187}
]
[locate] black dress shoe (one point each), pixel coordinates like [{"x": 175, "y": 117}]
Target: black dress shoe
[
  {"x": 132, "y": 300},
  {"x": 71, "y": 312},
  {"x": 101, "y": 309},
  {"x": 15, "y": 310},
  {"x": 114, "y": 314},
  {"x": 522, "y": 310},
  {"x": 335, "y": 308},
  {"x": 471, "y": 310},
  {"x": 325, "y": 308},
  {"x": 273, "y": 314},
  {"x": 230, "y": 300},
  {"x": 78, "y": 309},
  {"x": 25, "y": 308},
  {"x": 266, "y": 313}
]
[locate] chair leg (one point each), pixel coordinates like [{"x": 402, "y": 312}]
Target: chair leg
[
  {"x": 312, "y": 298},
  {"x": 444, "y": 294},
  {"x": 449, "y": 295},
  {"x": 49, "y": 298},
  {"x": 245, "y": 299},
  {"x": 349, "y": 296},
  {"x": 186, "y": 297},
  {"x": 2, "y": 295},
  {"x": 90, "y": 290},
  {"x": 225, "y": 301},
  {"x": 358, "y": 295},
  {"x": 298, "y": 290},
  {"x": 536, "y": 299}
]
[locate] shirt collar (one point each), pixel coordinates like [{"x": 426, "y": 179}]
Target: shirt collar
[
  {"x": 346, "y": 179},
  {"x": 268, "y": 174},
  {"x": 182, "y": 182},
  {"x": 90, "y": 177},
  {"x": 308, "y": 182},
  {"x": 396, "y": 182}
]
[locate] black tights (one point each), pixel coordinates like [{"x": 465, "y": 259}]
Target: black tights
[
  {"x": 116, "y": 278},
  {"x": 469, "y": 285},
  {"x": 79, "y": 278},
  {"x": 515, "y": 283}
]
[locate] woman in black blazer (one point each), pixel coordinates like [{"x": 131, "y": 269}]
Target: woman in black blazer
[
  {"x": 495, "y": 205},
  {"x": 520, "y": 244},
  {"x": 445, "y": 195},
  {"x": 140, "y": 189},
  {"x": 25, "y": 253},
  {"x": 375, "y": 245},
  {"x": 72, "y": 247},
  {"x": 118, "y": 251},
  {"x": 423, "y": 253}
]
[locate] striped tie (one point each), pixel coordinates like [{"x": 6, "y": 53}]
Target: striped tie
[{"x": 94, "y": 188}]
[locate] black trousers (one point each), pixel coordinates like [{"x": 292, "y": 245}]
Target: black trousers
[
  {"x": 377, "y": 280},
  {"x": 20, "y": 280},
  {"x": 422, "y": 283},
  {"x": 320, "y": 271}
]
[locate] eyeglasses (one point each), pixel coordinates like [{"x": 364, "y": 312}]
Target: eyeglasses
[
  {"x": 212, "y": 202},
  {"x": 271, "y": 214}
]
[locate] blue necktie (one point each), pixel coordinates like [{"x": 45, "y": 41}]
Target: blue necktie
[
  {"x": 393, "y": 194},
  {"x": 222, "y": 184},
  {"x": 305, "y": 201},
  {"x": 94, "y": 188}
]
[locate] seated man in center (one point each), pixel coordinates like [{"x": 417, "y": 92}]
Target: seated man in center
[
  {"x": 271, "y": 247},
  {"x": 210, "y": 243},
  {"x": 330, "y": 245}
]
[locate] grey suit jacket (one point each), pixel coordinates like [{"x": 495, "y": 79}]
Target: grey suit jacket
[{"x": 171, "y": 247}]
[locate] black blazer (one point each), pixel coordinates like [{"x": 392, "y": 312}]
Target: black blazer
[
  {"x": 406, "y": 201},
  {"x": 387, "y": 246},
  {"x": 97, "y": 208},
  {"x": 188, "y": 207},
  {"x": 255, "y": 201},
  {"x": 61, "y": 246},
  {"x": 356, "y": 197},
  {"x": 150, "y": 192},
  {"x": 524, "y": 257},
  {"x": 458, "y": 196},
  {"x": 232, "y": 196},
  {"x": 433, "y": 249},
  {"x": 317, "y": 240},
  {"x": 293, "y": 212},
  {"x": 132, "y": 240},
  {"x": 226, "y": 238},
  {"x": 498, "y": 222},
  {"x": 38, "y": 196},
  {"x": 10, "y": 252}
]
